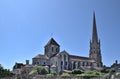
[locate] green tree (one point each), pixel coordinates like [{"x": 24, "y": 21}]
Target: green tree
[
  {"x": 41, "y": 70},
  {"x": 5, "y": 72}
]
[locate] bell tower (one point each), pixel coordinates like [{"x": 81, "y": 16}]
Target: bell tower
[
  {"x": 95, "y": 51},
  {"x": 51, "y": 48}
]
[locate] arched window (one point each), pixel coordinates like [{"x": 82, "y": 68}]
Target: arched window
[
  {"x": 61, "y": 62},
  {"x": 87, "y": 64},
  {"x": 66, "y": 63},
  {"x": 44, "y": 63},
  {"x": 90, "y": 64},
  {"x": 56, "y": 63},
  {"x": 61, "y": 65},
  {"x": 60, "y": 56},
  {"x": 65, "y": 57},
  {"x": 74, "y": 65},
  {"x": 52, "y": 49},
  {"x": 78, "y": 64},
  {"x": 57, "y": 49},
  {"x": 83, "y": 64}
]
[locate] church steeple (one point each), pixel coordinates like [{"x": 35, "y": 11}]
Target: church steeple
[
  {"x": 94, "y": 33},
  {"x": 95, "y": 51},
  {"x": 51, "y": 48}
]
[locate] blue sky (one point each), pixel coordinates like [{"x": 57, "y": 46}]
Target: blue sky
[{"x": 26, "y": 26}]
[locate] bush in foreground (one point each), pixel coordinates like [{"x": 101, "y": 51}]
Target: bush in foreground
[
  {"x": 39, "y": 70},
  {"x": 65, "y": 75},
  {"x": 117, "y": 74},
  {"x": 77, "y": 71}
]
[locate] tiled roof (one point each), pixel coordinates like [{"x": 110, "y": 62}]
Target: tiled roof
[
  {"x": 53, "y": 42},
  {"x": 73, "y": 57},
  {"x": 41, "y": 56}
]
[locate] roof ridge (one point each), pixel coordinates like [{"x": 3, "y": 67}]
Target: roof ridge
[{"x": 52, "y": 41}]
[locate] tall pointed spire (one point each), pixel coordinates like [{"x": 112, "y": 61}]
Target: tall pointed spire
[
  {"x": 95, "y": 51},
  {"x": 94, "y": 34}
]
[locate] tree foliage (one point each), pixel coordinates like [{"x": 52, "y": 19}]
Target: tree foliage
[
  {"x": 105, "y": 70},
  {"x": 39, "y": 70},
  {"x": 93, "y": 73},
  {"x": 5, "y": 72},
  {"x": 65, "y": 75},
  {"x": 33, "y": 72},
  {"x": 117, "y": 74},
  {"x": 77, "y": 71}
]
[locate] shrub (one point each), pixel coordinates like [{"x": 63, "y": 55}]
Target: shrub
[
  {"x": 65, "y": 75},
  {"x": 50, "y": 75},
  {"x": 104, "y": 71},
  {"x": 92, "y": 73},
  {"x": 106, "y": 74},
  {"x": 43, "y": 71},
  {"x": 117, "y": 74},
  {"x": 54, "y": 73},
  {"x": 39, "y": 70},
  {"x": 33, "y": 72},
  {"x": 112, "y": 70},
  {"x": 77, "y": 71},
  {"x": 78, "y": 75}
]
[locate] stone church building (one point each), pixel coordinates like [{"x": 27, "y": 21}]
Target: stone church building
[{"x": 60, "y": 61}]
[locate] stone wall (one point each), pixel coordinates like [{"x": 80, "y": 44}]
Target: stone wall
[
  {"x": 71, "y": 77},
  {"x": 8, "y": 78},
  {"x": 59, "y": 77}
]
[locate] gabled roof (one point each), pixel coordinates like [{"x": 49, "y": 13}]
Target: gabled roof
[
  {"x": 64, "y": 51},
  {"x": 52, "y": 42},
  {"x": 41, "y": 56},
  {"x": 59, "y": 53}
]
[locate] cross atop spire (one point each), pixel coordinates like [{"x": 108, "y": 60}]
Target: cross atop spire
[{"x": 94, "y": 34}]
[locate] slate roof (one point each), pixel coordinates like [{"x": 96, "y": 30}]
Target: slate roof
[
  {"x": 41, "y": 56},
  {"x": 53, "y": 42}
]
